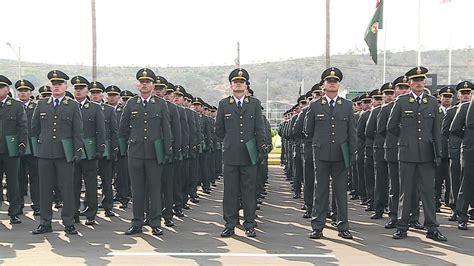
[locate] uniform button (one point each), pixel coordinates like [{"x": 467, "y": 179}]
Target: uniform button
[
  {"x": 333, "y": 141},
  {"x": 241, "y": 141},
  {"x": 419, "y": 113},
  {"x": 145, "y": 113},
  {"x": 332, "y": 117},
  {"x": 55, "y": 116},
  {"x": 241, "y": 133},
  {"x": 419, "y": 122},
  {"x": 54, "y": 123},
  {"x": 54, "y": 137},
  {"x": 241, "y": 117},
  {"x": 419, "y": 130},
  {"x": 145, "y": 129},
  {"x": 145, "y": 137},
  {"x": 419, "y": 138},
  {"x": 144, "y": 121},
  {"x": 332, "y": 125},
  {"x": 54, "y": 130},
  {"x": 241, "y": 125},
  {"x": 333, "y": 133}
]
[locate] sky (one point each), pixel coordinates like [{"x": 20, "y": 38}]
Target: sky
[{"x": 205, "y": 32}]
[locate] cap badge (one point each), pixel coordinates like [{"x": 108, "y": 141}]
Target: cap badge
[
  {"x": 418, "y": 70},
  {"x": 55, "y": 75}
]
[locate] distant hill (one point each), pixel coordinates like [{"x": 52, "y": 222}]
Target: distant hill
[{"x": 211, "y": 83}]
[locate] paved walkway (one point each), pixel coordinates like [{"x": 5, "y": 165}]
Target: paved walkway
[{"x": 282, "y": 238}]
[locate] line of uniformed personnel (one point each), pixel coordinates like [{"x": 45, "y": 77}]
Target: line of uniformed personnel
[
  {"x": 398, "y": 145},
  {"x": 158, "y": 146}
]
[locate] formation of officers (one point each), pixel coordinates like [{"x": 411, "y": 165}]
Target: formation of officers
[
  {"x": 390, "y": 148},
  {"x": 155, "y": 147}
]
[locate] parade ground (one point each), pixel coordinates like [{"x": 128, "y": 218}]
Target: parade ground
[{"x": 282, "y": 238}]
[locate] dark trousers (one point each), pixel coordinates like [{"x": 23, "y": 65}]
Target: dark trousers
[
  {"x": 324, "y": 170},
  {"x": 219, "y": 162},
  {"x": 28, "y": 174},
  {"x": 123, "y": 178},
  {"x": 308, "y": 176},
  {"x": 212, "y": 166},
  {"x": 261, "y": 176},
  {"x": 442, "y": 175},
  {"x": 394, "y": 192},
  {"x": 455, "y": 176},
  {"x": 415, "y": 176},
  {"x": 466, "y": 192},
  {"x": 355, "y": 179},
  {"x": 86, "y": 170},
  {"x": 361, "y": 179},
  {"x": 186, "y": 180},
  {"x": 369, "y": 175},
  {"x": 203, "y": 170},
  {"x": 178, "y": 196},
  {"x": 297, "y": 168},
  {"x": 145, "y": 176},
  {"x": 239, "y": 182},
  {"x": 381, "y": 186},
  {"x": 60, "y": 172},
  {"x": 194, "y": 175},
  {"x": 167, "y": 180},
  {"x": 10, "y": 166},
  {"x": 105, "y": 172}
]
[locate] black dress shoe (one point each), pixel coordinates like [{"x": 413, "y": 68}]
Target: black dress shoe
[
  {"x": 116, "y": 198},
  {"x": 391, "y": 224},
  {"x": 186, "y": 206},
  {"x": 453, "y": 217},
  {"x": 296, "y": 195},
  {"x": 228, "y": 232},
  {"x": 346, "y": 234},
  {"x": 58, "y": 205},
  {"x": 259, "y": 201},
  {"x": 416, "y": 225},
  {"x": 316, "y": 234},
  {"x": 307, "y": 214},
  {"x": 370, "y": 208},
  {"x": 133, "y": 230},
  {"x": 304, "y": 207},
  {"x": 207, "y": 191},
  {"x": 90, "y": 222},
  {"x": 36, "y": 213},
  {"x": 179, "y": 213},
  {"x": 462, "y": 225},
  {"x": 354, "y": 197},
  {"x": 363, "y": 202},
  {"x": 169, "y": 222},
  {"x": 70, "y": 230},
  {"x": 157, "y": 231},
  {"x": 15, "y": 219},
  {"x": 257, "y": 208},
  {"x": 436, "y": 236},
  {"x": 250, "y": 233},
  {"x": 399, "y": 234},
  {"x": 99, "y": 206},
  {"x": 83, "y": 211},
  {"x": 109, "y": 213},
  {"x": 376, "y": 216},
  {"x": 42, "y": 230},
  {"x": 194, "y": 200},
  {"x": 124, "y": 205},
  {"x": 146, "y": 222}
]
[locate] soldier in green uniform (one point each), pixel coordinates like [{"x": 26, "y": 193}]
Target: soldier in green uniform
[
  {"x": 111, "y": 147},
  {"x": 455, "y": 141},
  {"x": 13, "y": 141},
  {"x": 145, "y": 125},
  {"x": 28, "y": 172},
  {"x": 442, "y": 172},
  {"x": 356, "y": 106},
  {"x": 366, "y": 101},
  {"x": 57, "y": 124},
  {"x": 94, "y": 145},
  {"x": 193, "y": 142},
  {"x": 330, "y": 123},
  {"x": 238, "y": 121},
  {"x": 384, "y": 95},
  {"x": 466, "y": 192},
  {"x": 44, "y": 91},
  {"x": 415, "y": 120}
]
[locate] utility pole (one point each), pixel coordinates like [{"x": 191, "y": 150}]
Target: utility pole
[
  {"x": 94, "y": 43},
  {"x": 328, "y": 34}
]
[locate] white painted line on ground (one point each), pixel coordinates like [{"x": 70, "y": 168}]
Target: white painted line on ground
[{"x": 203, "y": 254}]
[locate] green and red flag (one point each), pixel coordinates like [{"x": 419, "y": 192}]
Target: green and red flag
[{"x": 371, "y": 33}]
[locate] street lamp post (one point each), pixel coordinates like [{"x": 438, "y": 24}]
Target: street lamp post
[{"x": 18, "y": 55}]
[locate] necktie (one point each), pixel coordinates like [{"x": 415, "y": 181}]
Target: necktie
[
  {"x": 56, "y": 103},
  {"x": 418, "y": 99},
  {"x": 25, "y": 106},
  {"x": 331, "y": 105},
  {"x": 145, "y": 102},
  {"x": 239, "y": 104}
]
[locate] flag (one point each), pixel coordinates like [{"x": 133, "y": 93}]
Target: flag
[{"x": 371, "y": 33}]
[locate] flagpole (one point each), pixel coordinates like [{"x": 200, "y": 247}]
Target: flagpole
[
  {"x": 268, "y": 105},
  {"x": 450, "y": 47},
  {"x": 419, "y": 32},
  {"x": 384, "y": 48}
]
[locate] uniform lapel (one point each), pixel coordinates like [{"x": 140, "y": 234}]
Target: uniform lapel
[
  {"x": 245, "y": 104},
  {"x": 337, "y": 106},
  {"x": 325, "y": 105}
]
